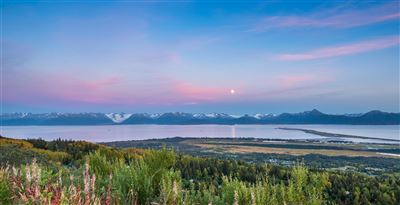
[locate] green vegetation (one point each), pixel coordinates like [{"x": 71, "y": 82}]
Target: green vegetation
[
  {"x": 363, "y": 158},
  {"x": 70, "y": 172}
]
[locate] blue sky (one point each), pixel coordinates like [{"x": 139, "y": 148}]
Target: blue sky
[{"x": 126, "y": 56}]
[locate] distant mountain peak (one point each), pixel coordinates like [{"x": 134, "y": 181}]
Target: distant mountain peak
[
  {"x": 259, "y": 116},
  {"x": 118, "y": 117},
  {"x": 314, "y": 116},
  {"x": 373, "y": 112},
  {"x": 315, "y": 111},
  {"x": 312, "y": 112}
]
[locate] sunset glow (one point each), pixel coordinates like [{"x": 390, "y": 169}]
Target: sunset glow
[{"x": 133, "y": 56}]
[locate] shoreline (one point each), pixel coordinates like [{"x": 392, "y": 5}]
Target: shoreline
[{"x": 328, "y": 134}]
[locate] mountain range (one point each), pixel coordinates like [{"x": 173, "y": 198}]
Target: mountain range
[{"x": 179, "y": 118}]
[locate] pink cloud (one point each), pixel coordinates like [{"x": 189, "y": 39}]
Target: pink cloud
[
  {"x": 296, "y": 80},
  {"x": 69, "y": 89},
  {"x": 343, "y": 50},
  {"x": 30, "y": 87},
  {"x": 290, "y": 81},
  {"x": 335, "y": 18},
  {"x": 202, "y": 93},
  {"x": 101, "y": 83}
]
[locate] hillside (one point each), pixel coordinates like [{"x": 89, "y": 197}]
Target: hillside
[{"x": 71, "y": 172}]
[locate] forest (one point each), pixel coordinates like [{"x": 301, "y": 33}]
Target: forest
[
  {"x": 35, "y": 171},
  {"x": 359, "y": 157}
]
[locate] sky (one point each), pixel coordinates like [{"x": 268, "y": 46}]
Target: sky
[{"x": 234, "y": 57}]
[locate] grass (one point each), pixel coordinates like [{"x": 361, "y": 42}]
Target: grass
[
  {"x": 147, "y": 180},
  {"x": 297, "y": 149}
]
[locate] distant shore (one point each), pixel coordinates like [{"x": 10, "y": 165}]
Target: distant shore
[{"x": 328, "y": 134}]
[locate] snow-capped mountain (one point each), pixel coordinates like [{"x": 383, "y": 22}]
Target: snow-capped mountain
[
  {"x": 263, "y": 116},
  {"x": 55, "y": 119},
  {"x": 170, "y": 118},
  {"x": 259, "y": 116},
  {"x": 156, "y": 115},
  {"x": 221, "y": 115},
  {"x": 118, "y": 117}
]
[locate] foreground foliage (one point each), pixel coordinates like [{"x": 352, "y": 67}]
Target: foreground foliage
[{"x": 86, "y": 173}]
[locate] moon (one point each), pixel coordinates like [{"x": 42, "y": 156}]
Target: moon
[{"x": 232, "y": 91}]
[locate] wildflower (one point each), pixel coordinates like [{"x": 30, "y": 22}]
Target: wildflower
[
  {"x": 27, "y": 173},
  {"x": 236, "y": 198},
  {"x": 15, "y": 171},
  {"x": 93, "y": 187},
  {"x": 175, "y": 188},
  {"x": 253, "y": 198},
  {"x": 57, "y": 194},
  {"x": 86, "y": 183},
  {"x": 108, "y": 196},
  {"x": 59, "y": 178}
]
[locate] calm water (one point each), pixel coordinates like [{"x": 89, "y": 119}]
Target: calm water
[{"x": 135, "y": 132}]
